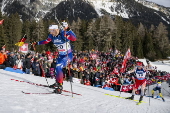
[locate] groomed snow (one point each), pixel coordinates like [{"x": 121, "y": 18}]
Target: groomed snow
[
  {"x": 161, "y": 65},
  {"x": 93, "y": 100}
]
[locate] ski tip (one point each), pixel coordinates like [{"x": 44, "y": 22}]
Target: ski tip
[{"x": 138, "y": 103}]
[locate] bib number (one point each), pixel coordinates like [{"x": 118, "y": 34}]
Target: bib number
[{"x": 59, "y": 46}]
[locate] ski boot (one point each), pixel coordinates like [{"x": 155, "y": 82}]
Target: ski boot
[
  {"x": 53, "y": 85},
  {"x": 58, "y": 89},
  {"x": 152, "y": 96},
  {"x": 140, "y": 99},
  {"x": 130, "y": 98}
]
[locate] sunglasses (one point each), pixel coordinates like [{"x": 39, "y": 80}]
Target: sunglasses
[{"x": 51, "y": 30}]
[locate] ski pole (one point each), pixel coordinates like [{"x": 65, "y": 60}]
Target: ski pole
[
  {"x": 149, "y": 94},
  {"x": 166, "y": 91},
  {"x": 70, "y": 79}
]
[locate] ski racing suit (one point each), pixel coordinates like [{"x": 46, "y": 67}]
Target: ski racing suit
[
  {"x": 62, "y": 42},
  {"x": 139, "y": 81},
  {"x": 158, "y": 87}
]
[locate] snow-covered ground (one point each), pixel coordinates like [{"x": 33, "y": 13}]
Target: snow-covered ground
[
  {"x": 161, "y": 65},
  {"x": 93, "y": 100}
]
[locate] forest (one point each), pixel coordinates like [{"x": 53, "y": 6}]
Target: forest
[{"x": 100, "y": 34}]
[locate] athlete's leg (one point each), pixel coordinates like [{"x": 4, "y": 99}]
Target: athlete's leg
[
  {"x": 62, "y": 62},
  {"x": 143, "y": 88}
]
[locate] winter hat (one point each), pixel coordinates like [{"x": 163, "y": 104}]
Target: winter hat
[
  {"x": 139, "y": 63},
  {"x": 53, "y": 27},
  {"x": 12, "y": 53}
]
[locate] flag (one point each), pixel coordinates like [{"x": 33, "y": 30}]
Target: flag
[
  {"x": 21, "y": 41},
  {"x": 114, "y": 80},
  {"x": 116, "y": 52},
  {"x": 131, "y": 87},
  {"x": 94, "y": 56},
  {"x": 124, "y": 88},
  {"x": 148, "y": 82},
  {"x": 115, "y": 71},
  {"x": 126, "y": 57},
  {"x": 1, "y": 22},
  {"x": 3, "y": 47},
  {"x": 24, "y": 48},
  {"x": 164, "y": 77}
]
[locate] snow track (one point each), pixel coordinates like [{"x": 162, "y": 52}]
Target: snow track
[{"x": 93, "y": 100}]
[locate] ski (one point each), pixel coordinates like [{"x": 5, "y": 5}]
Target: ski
[
  {"x": 158, "y": 98},
  {"x": 44, "y": 93},
  {"x": 45, "y": 86},
  {"x": 138, "y": 103},
  {"x": 125, "y": 98}
]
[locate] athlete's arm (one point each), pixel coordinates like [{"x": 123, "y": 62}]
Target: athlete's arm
[
  {"x": 49, "y": 39},
  {"x": 70, "y": 35}
]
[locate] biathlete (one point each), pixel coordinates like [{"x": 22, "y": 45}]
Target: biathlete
[
  {"x": 158, "y": 88},
  {"x": 139, "y": 80},
  {"x": 61, "y": 39}
]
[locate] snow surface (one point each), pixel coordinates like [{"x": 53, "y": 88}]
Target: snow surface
[
  {"x": 93, "y": 100},
  {"x": 109, "y": 7},
  {"x": 161, "y": 65}
]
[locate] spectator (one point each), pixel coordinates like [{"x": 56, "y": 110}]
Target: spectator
[
  {"x": 27, "y": 63},
  {"x": 11, "y": 60},
  {"x": 36, "y": 67},
  {"x": 127, "y": 80},
  {"x": 19, "y": 62},
  {"x": 3, "y": 58}
]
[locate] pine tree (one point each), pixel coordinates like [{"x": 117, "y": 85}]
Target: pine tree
[
  {"x": 78, "y": 44},
  {"x": 26, "y": 30},
  {"x": 162, "y": 41},
  {"x": 89, "y": 36},
  {"x": 119, "y": 27},
  {"x": 2, "y": 34},
  {"x": 149, "y": 51},
  {"x": 39, "y": 34},
  {"x": 13, "y": 31},
  {"x": 139, "y": 40}
]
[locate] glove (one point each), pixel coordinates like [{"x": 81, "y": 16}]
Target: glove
[
  {"x": 34, "y": 43},
  {"x": 65, "y": 25}
]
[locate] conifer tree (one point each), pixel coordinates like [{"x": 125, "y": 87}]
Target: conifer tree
[
  {"x": 162, "y": 41},
  {"x": 2, "y": 35}
]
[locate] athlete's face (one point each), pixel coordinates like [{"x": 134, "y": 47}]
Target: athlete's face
[
  {"x": 139, "y": 67},
  {"x": 54, "y": 32}
]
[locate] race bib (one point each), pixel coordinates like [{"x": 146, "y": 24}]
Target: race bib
[
  {"x": 63, "y": 47},
  {"x": 140, "y": 74}
]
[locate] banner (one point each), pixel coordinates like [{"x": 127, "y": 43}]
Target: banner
[{"x": 24, "y": 48}]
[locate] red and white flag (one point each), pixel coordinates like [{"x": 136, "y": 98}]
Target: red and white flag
[
  {"x": 1, "y": 21},
  {"x": 3, "y": 47},
  {"x": 116, "y": 71},
  {"x": 149, "y": 82},
  {"x": 114, "y": 80},
  {"x": 94, "y": 56},
  {"x": 24, "y": 48},
  {"x": 131, "y": 87},
  {"x": 126, "y": 57},
  {"x": 124, "y": 88}
]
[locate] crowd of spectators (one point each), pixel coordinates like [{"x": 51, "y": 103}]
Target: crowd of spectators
[{"x": 92, "y": 67}]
